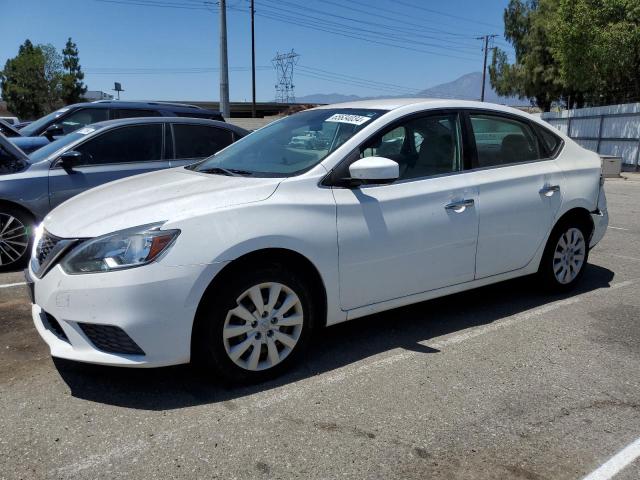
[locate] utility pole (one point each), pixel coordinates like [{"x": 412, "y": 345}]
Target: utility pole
[
  {"x": 486, "y": 39},
  {"x": 253, "y": 62},
  {"x": 224, "y": 62}
]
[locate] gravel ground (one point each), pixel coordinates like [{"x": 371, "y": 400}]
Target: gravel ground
[{"x": 501, "y": 382}]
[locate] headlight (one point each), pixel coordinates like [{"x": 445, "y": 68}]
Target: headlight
[{"x": 124, "y": 249}]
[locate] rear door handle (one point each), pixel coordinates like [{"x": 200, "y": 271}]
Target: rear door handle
[
  {"x": 459, "y": 206},
  {"x": 549, "y": 190}
]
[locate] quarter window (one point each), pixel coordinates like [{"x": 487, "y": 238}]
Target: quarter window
[
  {"x": 199, "y": 141},
  {"x": 423, "y": 146},
  {"x": 138, "y": 143},
  {"x": 502, "y": 141},
  {"x": 82, "y": 117}
]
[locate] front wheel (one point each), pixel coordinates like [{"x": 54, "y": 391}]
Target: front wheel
[
  {"x": 565, "y": 257},
  {"x": 256, "y": 326},
  {"x": 15, "y": 239}
]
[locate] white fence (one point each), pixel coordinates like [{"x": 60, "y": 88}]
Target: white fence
[{"x": 611, "y": 130}]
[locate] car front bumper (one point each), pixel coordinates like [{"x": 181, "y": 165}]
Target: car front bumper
[{"x": 152, "y": 306}]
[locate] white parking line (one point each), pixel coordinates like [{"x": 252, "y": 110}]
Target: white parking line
[
  {"x": 619, "y": 228},
  {"x": 620, "y": 460},
  {"x": 8, "y": 285}
]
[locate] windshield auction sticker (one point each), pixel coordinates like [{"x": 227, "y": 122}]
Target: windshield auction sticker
[{"x": 346, "y": 118}]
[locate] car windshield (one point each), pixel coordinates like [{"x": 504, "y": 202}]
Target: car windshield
[
  {"x": 60, "y": 143},
  {"x": 32, "y": 129},
  {"x": 289, "y": 146}
]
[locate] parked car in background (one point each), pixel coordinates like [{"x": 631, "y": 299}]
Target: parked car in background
[
  {"x": 72, "y": 117},
  {"x": 10, "y": 120},
  {"x": 8, "y": 130},
  {"x": 96, "y": 154},
  {"x": 236, "y": 260}
]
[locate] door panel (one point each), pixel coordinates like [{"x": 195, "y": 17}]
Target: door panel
[
  {"x": 515, "y": 210},
  {"x": 515, "y": 216},
  {"x": 399, "y": 239}
]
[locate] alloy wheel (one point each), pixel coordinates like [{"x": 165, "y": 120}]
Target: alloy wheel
[
  {"x": 14, "y": 239},
  {"x": 264, "y": 327},
  {"x": 569, "y": 255}
]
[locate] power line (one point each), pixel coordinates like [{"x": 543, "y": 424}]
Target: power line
[
  {"x": 301, "y": 22},
  {"x": 404, "y": 38},
  {"x": 437, "y": 12}
]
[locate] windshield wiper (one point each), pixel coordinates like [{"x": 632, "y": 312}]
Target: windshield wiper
[{"x": 231, "y": 172}]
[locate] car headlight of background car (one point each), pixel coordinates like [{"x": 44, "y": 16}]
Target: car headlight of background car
[{"x": 124, "y": 249}]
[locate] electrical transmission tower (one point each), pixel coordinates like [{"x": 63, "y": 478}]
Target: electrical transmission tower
[{"x": 284, "y": 63}]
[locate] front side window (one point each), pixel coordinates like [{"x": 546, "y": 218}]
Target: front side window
[
  {"x": 292, "y": 145},
  {"x": 82, "y": 117},
  {"x": 502, "y": 141},
  {"x": 422, "y": 146},
  {"x": 137, "y": 143},
  {"x": 199, "y": 141}
]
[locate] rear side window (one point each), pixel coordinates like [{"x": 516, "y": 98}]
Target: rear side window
[
  {"x": 83, "y": 117},
  {"x": 134, "y": 113},
  {"x": 199, "y": 141},
  {"x": 503, "y": 141},
  {"x": 137, "y": 143}
]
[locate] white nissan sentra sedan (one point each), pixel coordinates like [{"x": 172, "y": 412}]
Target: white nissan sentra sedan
[{"x": 235, "y": 261}]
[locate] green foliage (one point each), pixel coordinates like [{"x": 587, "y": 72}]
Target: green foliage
[
  {"x": 597, "y": 43},
  {"x": 53, "y": 74},
  {"x": 24, "y": 85},
  {"x": 72, "y": 87},
  {"x": 39, "y": 79},
  {"x": 535, "y": 73},
  {"x": 577, "y": 51}
]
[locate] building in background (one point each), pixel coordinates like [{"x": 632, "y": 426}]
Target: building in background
[{"x": 93, "y": 95}]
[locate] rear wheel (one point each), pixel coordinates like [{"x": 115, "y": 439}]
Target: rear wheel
[
  {"x": 15, "y": 238},
  {"x": 256, "y": 326},
  {"x": 565, "y": 256}
]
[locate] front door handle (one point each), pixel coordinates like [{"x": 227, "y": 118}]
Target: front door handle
[
  {"x": 459, "y": 206},
  {"x": 549, "y": 190}
]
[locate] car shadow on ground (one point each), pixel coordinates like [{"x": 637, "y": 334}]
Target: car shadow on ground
[{"x": 335, "y": 347}]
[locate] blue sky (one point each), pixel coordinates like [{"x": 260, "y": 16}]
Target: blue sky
[{"x": 165, "y": 53}]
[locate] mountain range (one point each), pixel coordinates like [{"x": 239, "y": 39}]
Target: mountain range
[{"x": 466, "y": 87}]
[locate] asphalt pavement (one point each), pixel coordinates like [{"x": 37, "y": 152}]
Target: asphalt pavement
[{"x": 500, "y": 382}]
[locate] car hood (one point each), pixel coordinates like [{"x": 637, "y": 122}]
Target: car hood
[{"x": 153, "y": 197}]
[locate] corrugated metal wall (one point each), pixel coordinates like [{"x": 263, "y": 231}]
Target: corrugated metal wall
[{"x": 609, "y": 130}]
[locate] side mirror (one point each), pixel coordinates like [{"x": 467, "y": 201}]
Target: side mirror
[
  {"x": 54, "y": 130},
  {"x": 375, "y": 170},
  {"x": 70, "y": 159}
]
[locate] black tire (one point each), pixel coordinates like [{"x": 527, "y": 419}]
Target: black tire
[
  {"x": 547, "y": 276},
  {"x": 208, "y": 346},
  {"x": 16, "y": 228}
]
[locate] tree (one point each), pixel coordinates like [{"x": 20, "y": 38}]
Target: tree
[
  {"x": 53, "y": 73},
  {"x": 24, "y": 85},
  {"x": 535, "y": 73},
  {"x": 72, "y": 87},
  {"x": 597, "y": 43}
]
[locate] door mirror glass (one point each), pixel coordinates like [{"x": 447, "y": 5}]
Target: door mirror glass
[
  {"x": 374, "y": 170},
  {"x": 70, "y": 159},
  {"x": 54, "y": 130}
]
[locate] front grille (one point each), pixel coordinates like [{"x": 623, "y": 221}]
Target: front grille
[
  {"x": 51, "y": 324},
  {"x": 110, "y": 339},
  {"x": 45, "y": 246}
]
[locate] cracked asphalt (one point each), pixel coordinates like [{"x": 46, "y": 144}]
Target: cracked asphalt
[{"x": 501, "y": 382}]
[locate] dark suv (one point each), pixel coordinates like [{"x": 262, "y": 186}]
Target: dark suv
[{"x": 72, "y": 117}]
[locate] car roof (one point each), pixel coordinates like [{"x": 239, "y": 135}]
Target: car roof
[
  {"x": 395, "y": 103},
  {"x": 182, "y": 120},
  {"x": 173, "y": 107}
]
